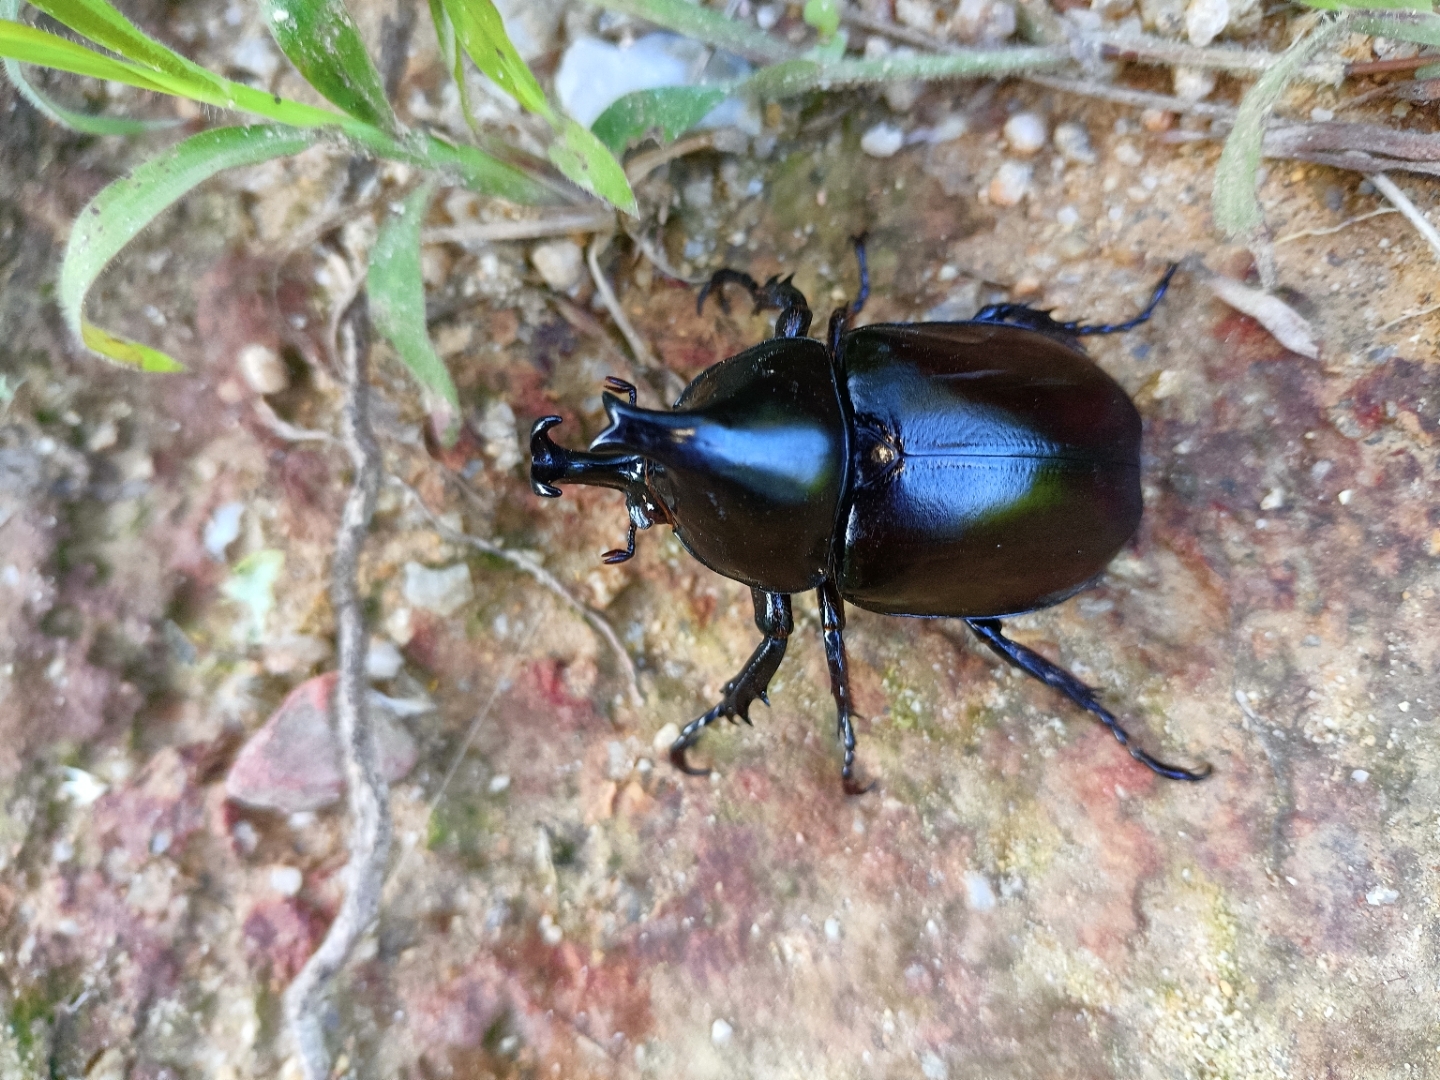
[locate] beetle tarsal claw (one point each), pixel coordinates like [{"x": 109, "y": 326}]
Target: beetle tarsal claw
[
  {"x": 677, "y": 759},
  {"x": 852, "y": 786}
]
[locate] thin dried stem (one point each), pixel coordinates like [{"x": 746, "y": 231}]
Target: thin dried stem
[
  {"x": 1408, "y": 316},
  {"x": 1304, "y": 233},
  {"x": 489, "y": 232},
  {"x": 1141, "y": 99},
  {"x": 367, "y": 791},
  {"x": 524, "y": 561},
  {"x": 666, "y": 380},
  {"x": 646, "y": 162},
  {"x": 1401, "y": 202}
]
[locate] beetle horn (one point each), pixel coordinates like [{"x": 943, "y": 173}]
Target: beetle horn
[{"x": 551, "y": 464}]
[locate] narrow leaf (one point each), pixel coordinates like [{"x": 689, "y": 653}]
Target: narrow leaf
[
  {"x": 1235, "y": 205},
  {"x": 108, "y": 28},
  {"x": 114, "y": 217},
  {"x": 705, "y": 25},
  {"x": 585, "y": 162},
  {"x": 823, "y": 15},
  {"x": 1420, "y": 27},
  {"x": 322, "y": 41},
  {"x": 124, "y": 351},
  {"x": 668, "y": 112},
  {"x": 32, "y": 46},
  {"x": 482, "y": 35},
  {"x": 44, "y": 49},
  {"x": 1373, "y": 5},
  {"x": 85, "y": 123},
  {"x": 397, "y": 296}
]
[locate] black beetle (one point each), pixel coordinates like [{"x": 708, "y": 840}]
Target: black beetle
[{"x": 975, "y": 469}]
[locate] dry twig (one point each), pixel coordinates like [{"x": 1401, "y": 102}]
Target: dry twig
[
  {"x": 1306, "y": 233},
  {"x": 524, "y": 561},
  {"x": 489, "y": 232},
  {"x": 1411, "y": 212},
  {"x": 367, "y": 791},
  {"x": 666, "y": 381}
]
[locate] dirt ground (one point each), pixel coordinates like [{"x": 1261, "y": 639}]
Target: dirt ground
[{"x": 1014, "y": 898}]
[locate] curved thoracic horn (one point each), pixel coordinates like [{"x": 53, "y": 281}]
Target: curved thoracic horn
[{"x": 551, "y": 464}]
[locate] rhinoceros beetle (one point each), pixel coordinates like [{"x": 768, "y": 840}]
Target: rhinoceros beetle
[{"x": 973, "y": 470}]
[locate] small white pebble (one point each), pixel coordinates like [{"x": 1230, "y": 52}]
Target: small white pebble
[
  {"x": 832, "y": 929},
  {"x": 1404, "y": 706},
  {"x": 1011, "y": 184},
  {"x": 1360, "y": 776},
  {"x": 947, "y": 273},
  {"x": 286, "y": 880},
  {"x": 1127, "y": 154},
  {"x": 978, "y": 893},
  {"x": 383, "y": 660},
  {"x": 1321, "y": 116},
  {"x": 560, "y": 263},
  {"x": 551, "y": 933},
  {"x": 1204, "y": 19},
  {"x": 262, "y": 369},
  {"x": 1068, "y": 216},
  {"x": 767, "y": 15},
  {"x": 664, "y": 737},
  {"x": 1193, "y": 84},
  {"x": 1274, "y": 500},
  {"x": 1026, "y": 133},
  {"x": 721, "y": 1033},
  {"x": 882, "y": 140},
  {"x": 1379, "y": 896},
  {"x": 1344, "y": 497},
  {"x": 498, "y": 784},
  {"x": 1072, "y": 142}
]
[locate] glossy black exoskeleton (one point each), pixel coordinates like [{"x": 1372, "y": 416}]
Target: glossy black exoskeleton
[{"x": 975, "y": 470}]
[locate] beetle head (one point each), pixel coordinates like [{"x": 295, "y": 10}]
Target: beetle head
[{"x": 551, "y": 464}]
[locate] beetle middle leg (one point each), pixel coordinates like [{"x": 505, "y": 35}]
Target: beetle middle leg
[
  {"x": 832, "y": 624},
  {"x": 772, "y": 616},
  {"x": 1037, "y": 667}
]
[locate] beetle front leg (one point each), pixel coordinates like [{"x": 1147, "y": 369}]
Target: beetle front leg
[
  {"x": 772, "y": 616},
  {"x": 1037, "y": 667},
  {"x": 832, "y": 625}
]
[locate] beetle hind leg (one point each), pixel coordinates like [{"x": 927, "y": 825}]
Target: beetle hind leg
[
  {"x": 1031, "y": 319},
  {"x": 773, "y": 617},
  {"x": 832, "y": 625},
  {"x": 1037, "y": 667}
]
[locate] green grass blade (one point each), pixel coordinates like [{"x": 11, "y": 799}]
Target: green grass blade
[
  {"x": 1233, "y": 200},
  {"x": 397, "y": 297},
  {"x": 32, "y": 46},
  {"x": 705, "y": 25},
  {"x": 44, "y": 49},
  {"x": 114, "y": 217},
  {"x": 667, "y": 112},
  {"x": 586, "y": 162},
  {"x": 85, "y": 123},
  {"x": 1420, "y": 27},
  {"x": 482, "y": 35},
  {"x": 802, "y": 76},
  {"x": 1343, "y": 5},
  {"x": 106, "y": 27},
  {"x": 321, "y": 39}
]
